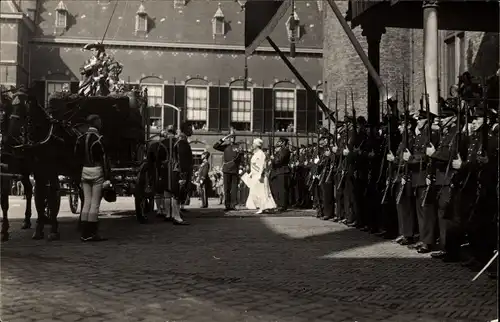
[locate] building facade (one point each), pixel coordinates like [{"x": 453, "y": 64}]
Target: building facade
[
  {"x": 189, "y": 54},
  {"x": 401, "y": 57}
]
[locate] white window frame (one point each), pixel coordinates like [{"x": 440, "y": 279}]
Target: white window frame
[
  {"x": 148, "y": 86},
  {"x": 207, "y": 89},
  {"x": 250, "y": 89},
  {"x": 294, "y": 91},
  {"x": 64, "y": 15},
  {"x": 138, "y": 18},
  {"x": 215, "y": 21}
]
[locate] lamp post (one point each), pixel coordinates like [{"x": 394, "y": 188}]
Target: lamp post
[{"x": 178, "y": 109}]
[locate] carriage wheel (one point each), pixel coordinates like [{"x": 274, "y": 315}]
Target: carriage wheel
[{"x": 143, "y": 202}]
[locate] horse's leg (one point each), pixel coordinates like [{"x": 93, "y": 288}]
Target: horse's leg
[
  {"x": 4, "y": 200},
  {"x": 28, "y": 190},
  {"x": 40, "y": 200},
  {"x": 54, "y": 205}
]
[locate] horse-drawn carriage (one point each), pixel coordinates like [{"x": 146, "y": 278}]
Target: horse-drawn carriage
[{"x": 124, "y": 117}]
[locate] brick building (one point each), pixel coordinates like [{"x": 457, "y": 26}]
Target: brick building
[
  {"x": 188, "y": 53},
  {"x": 402, "y": 49}
]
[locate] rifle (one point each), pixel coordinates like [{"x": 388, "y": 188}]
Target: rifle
[
  {"x": 429, "y": 136},
  {"x": 389, "y": 165},
  {"x": 332, "y": 165},
  {"x": 405, "y": 178},
  {"x": 343, "y": 161}
]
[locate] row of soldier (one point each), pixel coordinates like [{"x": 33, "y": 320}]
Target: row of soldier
[{"x": 427, "y": 181}]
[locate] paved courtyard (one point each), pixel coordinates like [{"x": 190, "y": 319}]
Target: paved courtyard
[{"x": 235, "y": 267}]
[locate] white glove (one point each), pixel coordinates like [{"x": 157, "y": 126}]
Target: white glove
[
  {"x": 335, "y": 149},
  {"x": 316, "y": 160},
  {"x": 406, "y": 155},
  {"x": 106, "y": 184},
  {"x": 240, "y": 172},
  {"x": 390, "y": 157},
  {"x": 430, "y": 150},
  {"x": 328, "y": 153},
  {"x": 345, "y": 152},
  {"x": 457, "y": 163},
  {"x": 428, "y": 181}
]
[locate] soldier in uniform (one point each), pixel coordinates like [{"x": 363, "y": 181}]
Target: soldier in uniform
[
  {"x": 233, "y": 157},
  {"x": 203, "y": 180},
  {"x": 405, "y": 202},
  {"x": 418, "y": 163},
  {"x": 280, "y": 174},
  {"x": 445, "y": 181},
  {"x": 326, "y": 182},
  {"x": 300, "y": 178}
]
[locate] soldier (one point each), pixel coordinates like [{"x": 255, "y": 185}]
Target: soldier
[
  {"x": 203, "y": 180},
  {"x": 326, "y": 182},
  {"x": 230, "y": 168},
  {"x": 445, "y": 181},
  {"x": 348, "y": 169},
  {"x": 300, "y": 178},
  {"x": 337, "y": 150},
  {"x": 360, "y": 176},
  {"x": 280, "y": 174},
  {"x": 418, "y": 163},
  {"x": 405, "y": 202}
]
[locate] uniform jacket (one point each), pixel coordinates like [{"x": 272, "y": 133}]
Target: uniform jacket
[
  {"x": 446, "y": 152},
  {"x": 203, "y": 172},
  {"x": 281, "y": 162},
  {"x": 232, "y": 156}
]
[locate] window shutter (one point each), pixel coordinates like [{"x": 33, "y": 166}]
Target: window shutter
[
  {"x": 312, "y": 112},
  {"x": 268, "y": 109},
  {"x": 169, "y": 114},
  {"x": 180, "y": 98},
  {"x": 258, "y": 110},
  {"x": 301, "y": 111},
  {"x": 214, "y": 108},
  {"x": 39, "y": 91},
  {"x": 225, "y": 115}
]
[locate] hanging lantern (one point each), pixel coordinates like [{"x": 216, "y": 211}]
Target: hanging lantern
[{"x": 291, "y": 25}]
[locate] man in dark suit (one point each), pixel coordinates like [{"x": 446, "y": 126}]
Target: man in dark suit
[
  {"x": 203, "y": 180},
  {"x": 232, "y": 160},
  {"x": 280, "y": 175}
]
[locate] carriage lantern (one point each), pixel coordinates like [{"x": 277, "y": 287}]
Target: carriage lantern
[{"x": 291, "y": 25}]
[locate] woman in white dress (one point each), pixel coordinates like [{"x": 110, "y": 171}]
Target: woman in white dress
[{"x": 260, "y": 196}]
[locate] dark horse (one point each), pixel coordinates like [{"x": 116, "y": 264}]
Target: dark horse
[
  {"x": 49, "y": 152},
  {"x": 13, "y": 162}
]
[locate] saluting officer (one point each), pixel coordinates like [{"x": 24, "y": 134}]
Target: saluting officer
[{"x": 233, "y": 157}]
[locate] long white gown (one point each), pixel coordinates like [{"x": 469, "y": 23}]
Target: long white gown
[{"x": 260, "y": 196}]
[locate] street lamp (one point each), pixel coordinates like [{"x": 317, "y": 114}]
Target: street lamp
[{"x": 178, "y": 109}]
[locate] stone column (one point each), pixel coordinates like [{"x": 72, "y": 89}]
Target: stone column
[
  {"x": 431, "y": 54},
  {"x": 373, "y": 34}
]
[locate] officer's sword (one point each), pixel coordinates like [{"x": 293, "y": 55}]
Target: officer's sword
[{"x": 486, "y": 266}]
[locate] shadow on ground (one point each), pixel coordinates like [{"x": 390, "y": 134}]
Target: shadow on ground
[{"x": 240, "y": 268}]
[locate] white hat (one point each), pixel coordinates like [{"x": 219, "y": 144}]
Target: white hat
[{"x": 258, "y": 142}]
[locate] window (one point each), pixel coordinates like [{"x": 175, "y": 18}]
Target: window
[
  {"x": 196, "y": 106},
  {"x": 241, "y": 109},
  {"x": 284, "y": 110},
  {"x": 455, "y": 58},
  {"x": 61, "y": 18},
  {"x": 141, "y": 23},
  {"x": 179, "y": 3},
  {"x": 53, "y": 87},
  {"x": 218, "y": 26},
  {"x": 155, "y": 103},
  {"x": 31, "y": 13}
]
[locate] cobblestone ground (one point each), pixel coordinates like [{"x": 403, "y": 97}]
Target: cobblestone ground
[{"x": 232, "y": 268}]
